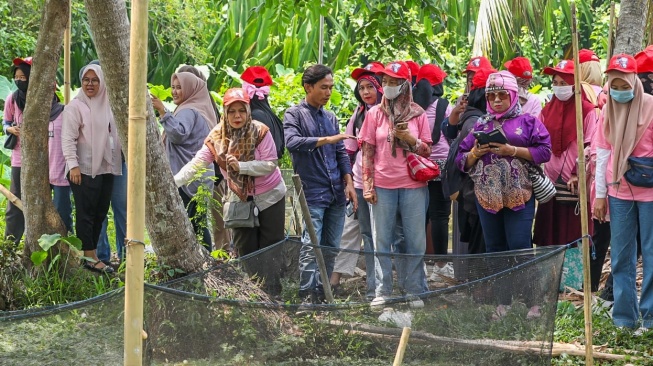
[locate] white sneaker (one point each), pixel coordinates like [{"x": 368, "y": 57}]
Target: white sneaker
[
  {"x": 641, "y": 331},
  {"x": 378, "y": 302},
  {"x": 416, "y": 303},
  {"x": 440, "y": 272}
]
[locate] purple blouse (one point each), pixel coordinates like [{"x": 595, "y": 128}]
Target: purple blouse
[{"x": 503, "y": 181}]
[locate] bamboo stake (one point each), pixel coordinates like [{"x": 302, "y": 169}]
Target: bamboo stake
[
  {"x": 134, "y": 243},
  {"x": 611, "y": 31},
  {"x": 11, "y": 197},
  {"x": 320, "y": 55},
  {"x": 403, "y": 342},
  {"x": 582, "y": 180},
  {"x": 311, "y": 232},
  {"x": 66, "y": 56}
]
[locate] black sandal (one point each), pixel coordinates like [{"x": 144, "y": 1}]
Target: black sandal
[{"x": 93, "y": 267}]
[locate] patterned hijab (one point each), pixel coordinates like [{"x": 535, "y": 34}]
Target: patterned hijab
[
  {"x": 239, "y": 142},
  {"x": 401, "y": 109}
]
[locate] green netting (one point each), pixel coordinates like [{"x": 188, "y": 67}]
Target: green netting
[{"x": 483, "y": 315}]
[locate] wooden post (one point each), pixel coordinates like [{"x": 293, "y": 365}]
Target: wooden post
[
  {"x": 582, "y": 190},
  {"x": 320, "y": 52},
  {"x": 403, "y": 342},
  {"x": 297, "y": 182},
  {"x": 134, "y": 243},
  {"x": 66, "y": 56},
  {"x": 611, "y": 31}
]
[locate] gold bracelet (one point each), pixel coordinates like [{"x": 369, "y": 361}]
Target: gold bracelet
[
  {"x": 474, "y": 154},
  {"x": 514, "y": 153}
]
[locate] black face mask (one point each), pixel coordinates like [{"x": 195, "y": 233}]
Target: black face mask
[{"x": 22, "y": 85}]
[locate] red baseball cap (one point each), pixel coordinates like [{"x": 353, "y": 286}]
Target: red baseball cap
[
  {"x": 645, "y": 60},
  {"x": 586, "y": 55},
  {"x": 432, "y": 73},
  {"x": 396, "y": 69},
  {"x": 622, "y": 62},
  {"x": 235, "y": 95},
  {"x": 26, "y": 60},
  {"x": 480, "y": 78},
  {"x": 563, "y": 67},
  {"x": 371, "y": 68},
  {"x": 477, "y": 63},
  {"x": 257, "y": 76},
  {"x": 413, "y": 66},
  {"x": 520, "y": 67}
]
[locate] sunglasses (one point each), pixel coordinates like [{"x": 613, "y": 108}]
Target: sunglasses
[{"x": 503, "y": 95}]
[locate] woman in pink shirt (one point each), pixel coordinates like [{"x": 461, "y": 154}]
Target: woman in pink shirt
[
  {"x": 391, "y": 131},
  {"x": 624, "y": 144}
]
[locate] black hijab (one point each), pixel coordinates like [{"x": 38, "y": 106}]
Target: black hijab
[
  {"x": 20, "y": 95},
  {"x": 262, "y": 112},
  {"x": 476, "y": 99},
  {"x": 425, "y": 94},
  {"x": 647, "y": 81}
]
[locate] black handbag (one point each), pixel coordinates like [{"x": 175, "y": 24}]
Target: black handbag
[
  {"x": 640, "y": 173},
  {"x": 11, "y": 141},
  {"x": 563, "y": 194}
]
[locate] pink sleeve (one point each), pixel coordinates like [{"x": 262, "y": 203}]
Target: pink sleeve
[
  {"x": 9, "y": 109},
  {"x": 351, "y": 145},
  {"x": 205, "y": 155},
  {"x": 600, "y": 138},
  {"x": 267, "y": 149},
  {"x": 589, "y": 126},
  {"x": 368, "y": 132},
  {"x": 447, "y": 113},
  {"x": 424, "y": 130}
]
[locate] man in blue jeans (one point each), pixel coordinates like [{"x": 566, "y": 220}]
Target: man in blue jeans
[{"x": 314, "y": 141}]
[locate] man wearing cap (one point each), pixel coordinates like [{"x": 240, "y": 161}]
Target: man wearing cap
[
  {"x": 319, "y": 157},
  {"x": 521, "y": 68},
  {"x": 257, "y": 82}
]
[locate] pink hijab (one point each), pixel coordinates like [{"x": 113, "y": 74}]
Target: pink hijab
[
  {"x": 196, "y": 96},
  {"x": 624, "y": 123}
]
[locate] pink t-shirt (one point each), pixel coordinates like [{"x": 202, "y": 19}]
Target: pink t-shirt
[
  {"x": 533, "y": 106},
  {"x": 267, "y": 151},
  {"x": 14, "y": 114},
  {"x": 439, "y": 151},
  {"x": 351, "y": 146},
  {"x": 627, "y": 191},
  {"x": 55, "y": 153},
  {"x": 566, "y": 163},
  {"x": 392, "y": 172}
]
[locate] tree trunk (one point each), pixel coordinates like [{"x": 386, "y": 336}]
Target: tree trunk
[
  {"x": 40, "y": 214},
  {"x": 632, "y": 26}
]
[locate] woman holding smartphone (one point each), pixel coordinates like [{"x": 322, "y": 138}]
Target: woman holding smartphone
[{"x": 503, "y": 189}]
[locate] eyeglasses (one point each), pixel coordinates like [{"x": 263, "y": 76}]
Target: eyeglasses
[
  {"x": 87, "y": 81},
  {"x": 21, "y": 78},
  {"x": 503, "y": 95}
]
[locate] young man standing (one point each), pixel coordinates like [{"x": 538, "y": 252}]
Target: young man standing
[{"x": 314, "y": 141}]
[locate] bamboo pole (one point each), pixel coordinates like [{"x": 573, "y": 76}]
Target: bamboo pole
[
  {"x": 297, "y": 182},
  {"x": 611, "y": 31},
  {"x": 401, "y": 351},
  {"x": 11, "y": 197},
  {"x": 582, "y": 180},
  {"x": 320, "y": 55},
  {"x": 66, "y": 56},
  {"x": 134, "y": 243}
]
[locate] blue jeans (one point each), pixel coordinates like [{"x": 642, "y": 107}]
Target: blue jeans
[
  {"x": 364, "y": 222},
  {"x": 63, "y": 205},
  {"x": 625, "y": 218},
  {"x": 119, "y": 208},
  {"x": 328, "y": 223},
  {"x": 508, "y": 229},
  {"x": 410, "y": 204}
]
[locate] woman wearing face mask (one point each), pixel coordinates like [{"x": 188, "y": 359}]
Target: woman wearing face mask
[
  {"x": 245, "y": 151},
  {"x": 391, "y": 130},
  {"x": 558, "y": 221},
  {"x": 358, "y": 227},
  {"x": 504, "y": 193},
  {"x": 90, "y": 144},
  {"x": 521, "y": 68},
  {"x": 185, "y": 130},
  {"x": 626, "y": 132}
]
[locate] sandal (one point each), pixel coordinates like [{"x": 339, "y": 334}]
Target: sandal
[{"x": 93, "y": 267}]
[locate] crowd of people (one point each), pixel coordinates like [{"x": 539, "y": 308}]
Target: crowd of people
[{"x": 376, "y": 186}]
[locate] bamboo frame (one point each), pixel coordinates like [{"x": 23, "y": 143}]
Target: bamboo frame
[
  {"x": 66, "y": 55},
  {"x": 134, "y": 279},
  {"x": 311, "y": 232},
  {"x": 403, "y": 343},
  {"x": 582, "y": 190}
]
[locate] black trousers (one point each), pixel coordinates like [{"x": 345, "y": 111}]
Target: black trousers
[
  {"x": 439, "y": 212},
  {"x": 14, "y": 219},
  {"x": 92, "y": 200},
  {"x": 198, "y": 221}
]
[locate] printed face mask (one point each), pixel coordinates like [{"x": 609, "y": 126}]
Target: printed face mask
[
  {"x": 392, "y": 92},
  {"x": 563, "y": 92},
  {"x": 622, "y": 96}
]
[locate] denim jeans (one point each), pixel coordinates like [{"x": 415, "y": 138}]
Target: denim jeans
[
  {"x": 508, "y": 229},
  {"x": 625, "y": 218},
  {"x": 328, "y": 223},
  {"x": 119, "y": 208},
  {"x": 63, "y": 205},
  {"x": 364, "y": 214},
  {"x": 410, "y": 204}
]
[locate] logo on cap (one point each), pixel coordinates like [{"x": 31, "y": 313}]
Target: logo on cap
[
  {"x": 476, "y": 62},
  {"x": 527, "y": 73},
  {"x": 237, "y": 94},
  {"x": 395, "y": 67},
  {"x": 369, "y": 67},
  {"x": 562, "y": 64},
  {"x": 622, "y": 61}
]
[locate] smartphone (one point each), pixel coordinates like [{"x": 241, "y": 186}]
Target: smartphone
[
  {"x": 465, "y": 96},
  {"x": 494, "y": 136},
  {"x": 401, "y": 125},
  {"x": 349, "y": 209}
]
